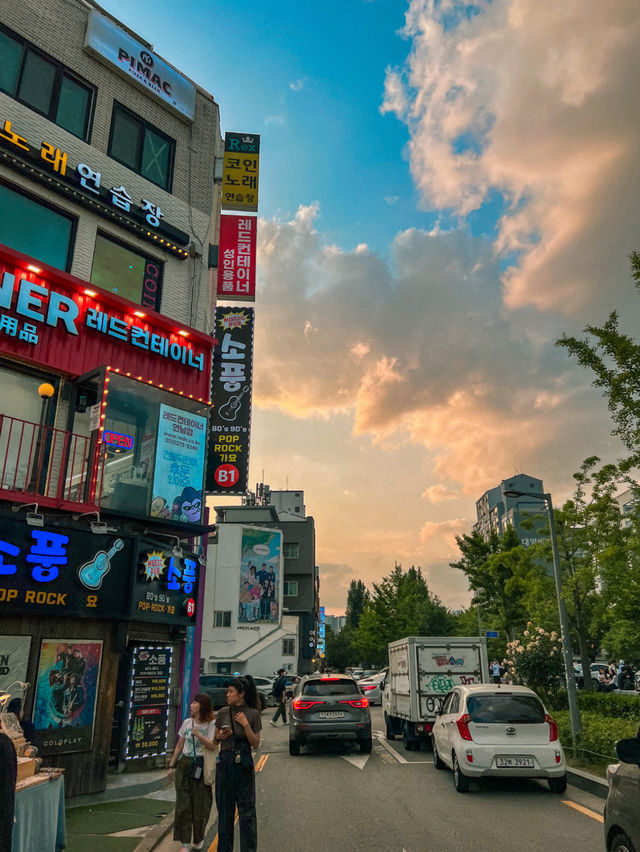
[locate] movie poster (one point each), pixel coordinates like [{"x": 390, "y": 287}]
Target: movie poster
[
  {"x": 260, "y": 576},
  {"x": 66, "y": 693},
  {"x": 14, "y": 660}
]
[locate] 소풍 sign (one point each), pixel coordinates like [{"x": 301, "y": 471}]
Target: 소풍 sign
[
  {"x": 111, "y": 44},
  {"x": 149, "y": 698},
  {"x": 230, "y": 424},
  {"x": 165, "y": 588},
  {"x": 237, "y": 258}
]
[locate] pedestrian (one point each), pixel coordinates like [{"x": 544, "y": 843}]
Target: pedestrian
[
  {"x": 193, "y": 797},
  {"x": 237, "y": 730},
  {"x": 495, "y": 672},
  {"x": 278, "y": 690},
  {"x": 8, "y": 777}
]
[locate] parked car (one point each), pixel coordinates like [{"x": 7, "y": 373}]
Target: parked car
[
  {"x": 215, "y": 686},
  {"x": 264, "y": 686},
  {"x": 621, "y": 810},
  {"x": 371, "y": 687},
  {"x": 329, "y": 707},
  {"x": 356, "y": 674},
  {"x": 486, "y": 730},
  {"x": 594, "y": 668}
]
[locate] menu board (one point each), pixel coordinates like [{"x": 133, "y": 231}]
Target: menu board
[{"x": 149, "y": 698}]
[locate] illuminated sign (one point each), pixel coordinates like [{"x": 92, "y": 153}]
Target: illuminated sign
[
  {"x": 149, "y": 701},
  {"x": 179, "y": 467},
  {"x": 237, "y": 258},
  {"x": 116, "y": 439},
  {"x": 50, "y": 165},
  {"x": 240, "y": 172},
  {"x": 165, "y": 588},
  {"x": 230, "y": 423},
  {"x": 107, "y": 41}
]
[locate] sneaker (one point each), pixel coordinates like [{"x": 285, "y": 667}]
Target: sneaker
[{"x": 274, "y": 724}]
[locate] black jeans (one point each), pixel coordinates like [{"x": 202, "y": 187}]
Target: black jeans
[
  {"x": 281, "y": 711},
  {"x": 236, "y": 788}
]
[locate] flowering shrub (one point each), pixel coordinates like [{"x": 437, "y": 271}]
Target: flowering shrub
[{"x": 536, "y": 661}]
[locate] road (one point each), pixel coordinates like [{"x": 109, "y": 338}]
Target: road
[{"x": 333, "y": 799}]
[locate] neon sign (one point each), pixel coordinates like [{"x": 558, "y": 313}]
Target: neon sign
[{"x": 117, "y": 439}]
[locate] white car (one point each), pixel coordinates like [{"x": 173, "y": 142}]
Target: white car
[
  {"x": 371, "y": 687},
  {"x": 488, "y": 730}
]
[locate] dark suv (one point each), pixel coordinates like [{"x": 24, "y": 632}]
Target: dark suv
[
  {"x": 329, "y": 707},
  {"x": 215, "y": 686}
]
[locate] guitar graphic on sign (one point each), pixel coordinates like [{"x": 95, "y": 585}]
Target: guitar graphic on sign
[
  {"x": 232, "y": 406},
  {"x": 91, "y": 573}
]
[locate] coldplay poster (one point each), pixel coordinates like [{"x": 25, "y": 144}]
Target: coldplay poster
[{"x": 66, "y": 692}]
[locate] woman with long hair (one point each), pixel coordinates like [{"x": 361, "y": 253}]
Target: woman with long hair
[
  {"x": 193, "y": 797},
  {"x": 237, "y": 729}
]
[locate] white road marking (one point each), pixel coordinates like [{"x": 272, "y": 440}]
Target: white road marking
[
  {"x": 358, "y": 760},
  {"x": 381, "y": 739}
]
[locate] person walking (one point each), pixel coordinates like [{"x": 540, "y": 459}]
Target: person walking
[
  {"x": 278, "y": 690},
  {"x": 8, "y": 777},
  {"x": 193, "y": 797},
  {"x": 237, "y": 730}
]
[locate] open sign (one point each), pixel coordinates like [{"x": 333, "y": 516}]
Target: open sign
[{"x": 117, "y": 439}]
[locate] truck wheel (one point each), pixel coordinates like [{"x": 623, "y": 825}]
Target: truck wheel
[
  {"x": 390, "y": 733},
  {"x": 460, "y": 781},
  {"x": 408, "y": 743},
  {"x": 438, "y": 762}
]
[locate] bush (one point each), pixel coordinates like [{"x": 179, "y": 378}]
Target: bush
[
  {"x": 598, "y": 737},
  {"x": 536, "y": 662},
  {"x": 610, "y": 705}
]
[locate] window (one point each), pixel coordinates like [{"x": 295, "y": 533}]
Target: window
[
  {"x": 291, "y": 550},
  {"x": 327, "y": 688},
  {"x": 126, "y": 272},
  {"x": 288, "y": 647},
  {"x": 45, "y": 85},
  {"x": 222, "y": 618},
  {"x": 141, "y": 147},
  {"x": 505, "y": 708},
  {"x": 291, "y": 588},
  {"x": 35, "y": 228}
]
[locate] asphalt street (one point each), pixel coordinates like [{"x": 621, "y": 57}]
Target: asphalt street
[{"x": 331, "y": 799}]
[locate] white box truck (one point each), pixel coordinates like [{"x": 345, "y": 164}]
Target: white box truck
[{"x": 422, "y": 670}]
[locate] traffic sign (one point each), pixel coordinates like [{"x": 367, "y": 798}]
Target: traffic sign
[{"x": 492, "y": 634}]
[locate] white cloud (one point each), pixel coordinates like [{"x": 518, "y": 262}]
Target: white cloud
[{"x": 297, "y": 85}]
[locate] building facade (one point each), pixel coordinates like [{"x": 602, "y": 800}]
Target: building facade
[
  {"x": 108, "y": 207},
  {"x": 495, "y": 511}
]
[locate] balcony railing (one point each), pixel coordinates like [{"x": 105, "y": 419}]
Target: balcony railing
[{"x": 48, "y": 465}]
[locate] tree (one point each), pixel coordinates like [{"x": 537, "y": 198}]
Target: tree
[
  {"x": 536, "y": 661},
  {"x": 400, "y": 605},
  {"x": 357, "y": 597},
  {"x": 339, "y": 648},
  {"x": 614, "y": 358}
]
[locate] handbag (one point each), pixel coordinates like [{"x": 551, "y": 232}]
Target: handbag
[{"x": 209, "y": 773}]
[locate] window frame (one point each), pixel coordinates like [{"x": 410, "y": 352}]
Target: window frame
[
  {"x": 19, "y": 190},
  {"x": 292, "y": 640},
  {"x": 61, "y": 71},
  {"x": 223, "y": 613},
  {"x": 286, "y": 584},
  {"x": 291, "y": 544},
  {"x": 146, "y": 125},
  {"x": 146, "y": 256}
]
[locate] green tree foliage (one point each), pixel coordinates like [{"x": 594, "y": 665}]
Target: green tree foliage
[
  {"x": 614, "y": 359},
  {"x": 357, "y": 597},
  {"x": 339, "y": 648},
  {"x": 400, "y": 605}
]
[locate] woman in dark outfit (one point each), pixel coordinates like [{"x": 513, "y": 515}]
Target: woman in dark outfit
[
  {"x": 193, "y": 796},
  {"x": 237, "y": 730},
  {"x": 8, "y": 776}
]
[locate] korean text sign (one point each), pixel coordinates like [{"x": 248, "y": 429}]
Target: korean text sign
[
  {"x": 63, "y": 571},
  {"x": 149, "y": 696},
  {"x": 179, "y": 467},
  {"x": 230, "y": 422},
  {"x": 165, "y": 589},
  {"x": 237, "y": 258},
  {"x": 240, "y": 173},
  {"x": 66, "y": 693}
]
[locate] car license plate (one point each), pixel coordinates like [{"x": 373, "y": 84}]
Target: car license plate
[
  {"x": 331, "y": 715},
  {"x": 514, "y": 762}
]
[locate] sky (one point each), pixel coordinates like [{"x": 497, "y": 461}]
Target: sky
[{"x": 445, "y": 189}]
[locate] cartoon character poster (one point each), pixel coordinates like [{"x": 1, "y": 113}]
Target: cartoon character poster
[
  {"x": 66, "y": 693},
  {"x": 179, "y": 468},
  {"x": 260, "y": 576}
]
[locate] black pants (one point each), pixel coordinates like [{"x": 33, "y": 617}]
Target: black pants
[
  {"x": 236, "y": 788},
  {"x": 281, "y": 711}
]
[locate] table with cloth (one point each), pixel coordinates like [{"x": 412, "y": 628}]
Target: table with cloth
[{"x": 39, "y": 816}]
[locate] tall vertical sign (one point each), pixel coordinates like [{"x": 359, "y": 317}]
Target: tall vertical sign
[
  {"x": 240, "y": 172},
  {"x": 230, "y": 423},
  {"x": 237, "y": 258}
]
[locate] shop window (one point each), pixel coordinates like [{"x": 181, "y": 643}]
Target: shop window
[
  {"x": 154, "y": 447},
  {"x": 291, "y": 550},
  {"x": 36, "y": 229},
  {"x": 142, "y": 147},
  {"x": 222, "y": 618},
  {"x": 128, "y": 273},
  {"x": 45, "y": 85},
  {"x": 291, "y": 588},
  {"x": 288, "y": 647}
]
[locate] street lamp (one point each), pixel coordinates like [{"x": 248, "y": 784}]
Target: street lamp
[{"x": 574, "y": 710}]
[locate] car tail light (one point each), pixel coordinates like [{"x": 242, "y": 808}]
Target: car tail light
[
  {"x": 469, "y": 755},
  {"x": 330, "y": 678},
  {"x": 300, "y": 704},
  {"x": 357, "y": 702},
  {"x": 553, "y": 728},
  {"x": 558, "y": 756},
  {"x": 368, "y": 688},
  {"x": 463, "y": 727}
]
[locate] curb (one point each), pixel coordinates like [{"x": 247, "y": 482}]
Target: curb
[
  {"x": 156, "y": 835},
  {"x": 115, "y": 794},
  {"x": 590, "y": 783}
]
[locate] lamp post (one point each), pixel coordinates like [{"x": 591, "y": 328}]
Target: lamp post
[{"x": 574, "y": 710}]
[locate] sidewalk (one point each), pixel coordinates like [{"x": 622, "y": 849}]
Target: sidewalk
[{"x": 134, "y": 811}]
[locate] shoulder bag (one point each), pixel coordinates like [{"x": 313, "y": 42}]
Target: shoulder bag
[{"x": 209, "y": 773}]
